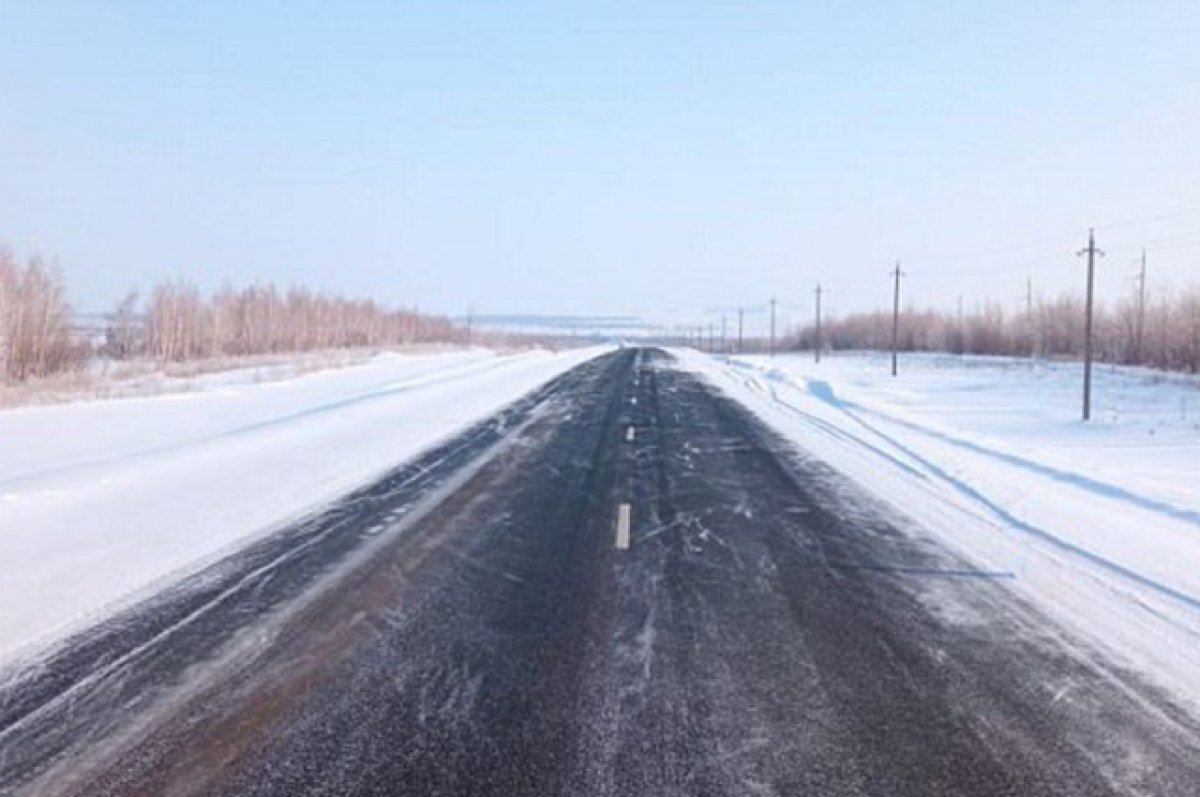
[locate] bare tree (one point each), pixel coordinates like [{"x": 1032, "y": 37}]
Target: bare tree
[
  {"x": 35, "y": 321},
  {"x": 124, "y": 336}
]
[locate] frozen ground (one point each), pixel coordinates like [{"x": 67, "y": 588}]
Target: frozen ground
[
  {"x": 1100, "y": 522},
  {"x": 103, "y": 501}
]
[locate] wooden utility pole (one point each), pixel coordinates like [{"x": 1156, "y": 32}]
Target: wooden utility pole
[
  {"x": 724, "y": 348},
  {"x": 817, "y": 342},
  {"x": 772, "y": 326},
  {"x": 711, "y": 341},
  {"x": 1091, "y": 251},
  {"x": 1033, "y": 341},
  {"x": 896, "y": 316},
  {"x": 741, "y": 313},
  {"x": 960, "y": 344},
  {"x": 1141, "y": 316}
]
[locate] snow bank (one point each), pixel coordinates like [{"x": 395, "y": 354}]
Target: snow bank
[
  {"x": 101, "y": 502},
  {"x": 1099, "y": 522}
]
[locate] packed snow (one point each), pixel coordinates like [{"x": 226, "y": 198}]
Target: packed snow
[
  {"x": 1098, "y": 521},
  {"x": 102, "y": 502}
]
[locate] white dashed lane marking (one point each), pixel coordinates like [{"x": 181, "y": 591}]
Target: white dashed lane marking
[{"x": 623, "y": 512}]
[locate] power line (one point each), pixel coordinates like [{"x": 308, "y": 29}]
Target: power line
[
  {"x": 1030, "y": 243},
  {"x": 1149, "y": 219}
]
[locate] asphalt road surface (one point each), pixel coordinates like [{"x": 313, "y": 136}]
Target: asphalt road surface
[{"x": 472, "y": 624}]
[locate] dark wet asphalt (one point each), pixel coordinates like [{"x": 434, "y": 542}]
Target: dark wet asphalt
[{"x": 466, "y": 626}]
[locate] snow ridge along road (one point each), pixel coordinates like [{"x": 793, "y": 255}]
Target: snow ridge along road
[{"x": 771, "y": 629}]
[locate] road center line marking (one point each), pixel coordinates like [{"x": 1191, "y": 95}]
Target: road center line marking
[
  {"x": 633, "y": 400},
  {"x": 623, "y": 527},
  {"x": 629, "y": 435}
]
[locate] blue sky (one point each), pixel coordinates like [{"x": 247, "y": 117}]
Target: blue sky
[{"x": 601, "y": 157}]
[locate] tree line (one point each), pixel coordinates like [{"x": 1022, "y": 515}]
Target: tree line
[
  {"x": 181, "y": 323},
  {"x": 1163, "y": 332},
  {"x": 177, "y": 322}
]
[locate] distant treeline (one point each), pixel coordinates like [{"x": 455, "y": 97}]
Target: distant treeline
[
  {"x": 177, "y": 323},
  {"x": 1161, "y": 333}
]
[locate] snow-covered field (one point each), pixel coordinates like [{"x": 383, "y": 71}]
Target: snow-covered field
[
  {"x": 1099, "y": 522},
  {"x": 103, "y": 501}
]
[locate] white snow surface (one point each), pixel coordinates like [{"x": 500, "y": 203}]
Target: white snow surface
[
  {"x": 103, "y": 502},
  {"x": 1098, "y": 522}
]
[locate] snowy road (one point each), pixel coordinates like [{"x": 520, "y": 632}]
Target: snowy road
[{"x": 469, "y": 624}]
